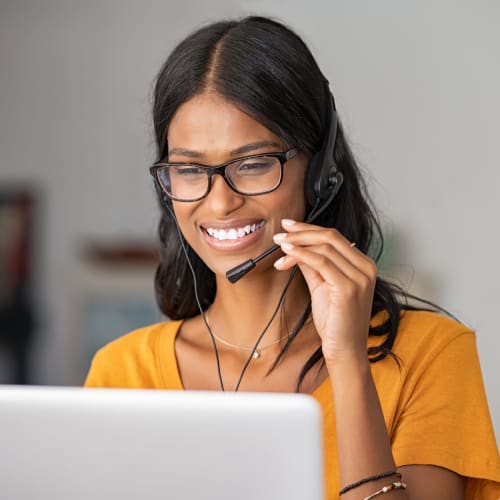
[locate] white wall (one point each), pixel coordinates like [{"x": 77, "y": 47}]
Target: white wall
[{"x": 416, "y": 86}]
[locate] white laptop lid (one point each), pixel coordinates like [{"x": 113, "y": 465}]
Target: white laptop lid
[{"x": 76, "y": 444}]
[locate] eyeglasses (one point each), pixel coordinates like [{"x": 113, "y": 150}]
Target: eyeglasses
[{"x": 250, "y": 175}]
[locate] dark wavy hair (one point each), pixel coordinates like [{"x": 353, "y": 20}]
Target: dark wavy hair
[{"x": 266, "y": 70}]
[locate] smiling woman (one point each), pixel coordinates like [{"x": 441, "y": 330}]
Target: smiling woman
[{"x": 249, "y": 147}]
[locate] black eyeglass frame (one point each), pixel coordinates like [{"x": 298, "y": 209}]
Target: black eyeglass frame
[{"x": 282, "y": 156}]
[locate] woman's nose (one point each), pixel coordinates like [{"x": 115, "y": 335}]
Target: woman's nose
[{"x": 221, "y": 198}]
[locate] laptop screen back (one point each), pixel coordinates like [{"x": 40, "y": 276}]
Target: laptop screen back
[{"x": 73, "y": 443}]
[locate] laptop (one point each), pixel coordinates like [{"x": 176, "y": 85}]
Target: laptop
[{"x": 62, "y": 443}]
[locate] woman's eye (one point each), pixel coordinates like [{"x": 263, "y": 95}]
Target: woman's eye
[
  {"x": 256, "y": 166},
  {"x": 189, "y": 170}
]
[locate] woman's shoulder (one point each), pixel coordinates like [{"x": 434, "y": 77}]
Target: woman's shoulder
[
  {"x": 429, "y": 346},
  {"x": 428, "y": 331},
  {"x": 425, "y": 342},
  {"x": 145, "y": 337},
  {"x": 136, "y": 359}
]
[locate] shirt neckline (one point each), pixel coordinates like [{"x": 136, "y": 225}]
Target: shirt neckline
[{"x": 169, "y": 367}]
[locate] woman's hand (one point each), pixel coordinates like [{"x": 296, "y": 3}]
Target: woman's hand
[{"x": 341, "y": 281}]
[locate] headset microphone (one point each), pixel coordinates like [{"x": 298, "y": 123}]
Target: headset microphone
[{"x": 322, "y": 183}]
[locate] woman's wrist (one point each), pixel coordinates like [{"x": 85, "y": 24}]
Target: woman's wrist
[{"x": 350, "y": 363}]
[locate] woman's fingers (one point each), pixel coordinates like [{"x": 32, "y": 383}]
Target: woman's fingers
[
  {"x": 333, "y": 267},
  {"x": 321, "y": 248},
  {"x": 307, "y": 234}
]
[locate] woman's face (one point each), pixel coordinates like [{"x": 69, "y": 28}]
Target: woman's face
[{"x": 209, "y": 130}]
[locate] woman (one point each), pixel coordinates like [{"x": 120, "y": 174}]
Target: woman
[{"x": 248, "y": 98}]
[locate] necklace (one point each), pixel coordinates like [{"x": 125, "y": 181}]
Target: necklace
[{"x": 256, "y": 351}]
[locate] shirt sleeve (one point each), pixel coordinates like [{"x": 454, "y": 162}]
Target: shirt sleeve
[{"x": 445, "y": 420}]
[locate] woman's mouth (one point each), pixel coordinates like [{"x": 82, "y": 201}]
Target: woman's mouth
[
  {"x": 233, "y": 233},
  {"x": 235, "y": 237}
]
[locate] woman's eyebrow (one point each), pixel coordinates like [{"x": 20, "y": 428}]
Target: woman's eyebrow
[
  {"x": 185, "y": 152},
  {"x": 247, "y": 148}
]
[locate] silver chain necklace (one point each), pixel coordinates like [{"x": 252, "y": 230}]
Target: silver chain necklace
[{"x": 256, "y": 351}]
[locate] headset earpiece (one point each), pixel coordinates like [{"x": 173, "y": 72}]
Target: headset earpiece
[{"x": 323, "y": 179}]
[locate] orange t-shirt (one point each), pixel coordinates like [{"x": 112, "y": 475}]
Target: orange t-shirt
[{"x": 434, "y": 403}]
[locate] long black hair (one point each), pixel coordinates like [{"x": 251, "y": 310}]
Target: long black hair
[{"x": 267, "y": 71}]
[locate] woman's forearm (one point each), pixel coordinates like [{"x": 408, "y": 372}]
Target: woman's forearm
[{"x": 363, "y": 443}]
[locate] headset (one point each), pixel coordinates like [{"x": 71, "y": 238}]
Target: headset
[
  {"x": 322, "y": 183},
  {"x": 323, "y": 178}
]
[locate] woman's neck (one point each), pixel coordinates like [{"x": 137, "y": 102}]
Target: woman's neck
[{"x": 241, "y": 311}]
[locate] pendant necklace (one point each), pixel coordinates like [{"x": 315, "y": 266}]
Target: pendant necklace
[{"x": 256, "y": 350}]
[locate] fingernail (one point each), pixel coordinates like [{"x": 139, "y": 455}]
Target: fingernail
[
  {"x": 286, "y": 246},
  {"x": 279, "y": 262},
  {"x": 287, "y": 222},
  {"x": 279, "y": 237}
]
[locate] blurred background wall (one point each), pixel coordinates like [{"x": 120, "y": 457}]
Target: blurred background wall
[{"x": 416, "y": 85}]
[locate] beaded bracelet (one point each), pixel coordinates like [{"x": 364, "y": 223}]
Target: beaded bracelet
[
  {"x": 398, "y": 485},
  {"x": 349, "y": 487}
]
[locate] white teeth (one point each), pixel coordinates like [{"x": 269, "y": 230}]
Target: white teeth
[{"x": 233, "y": 233}]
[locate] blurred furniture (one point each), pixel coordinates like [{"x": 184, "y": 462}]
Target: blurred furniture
[
  {"x": 16, "y": 255},
  {"x": 112, "y": 288}
]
